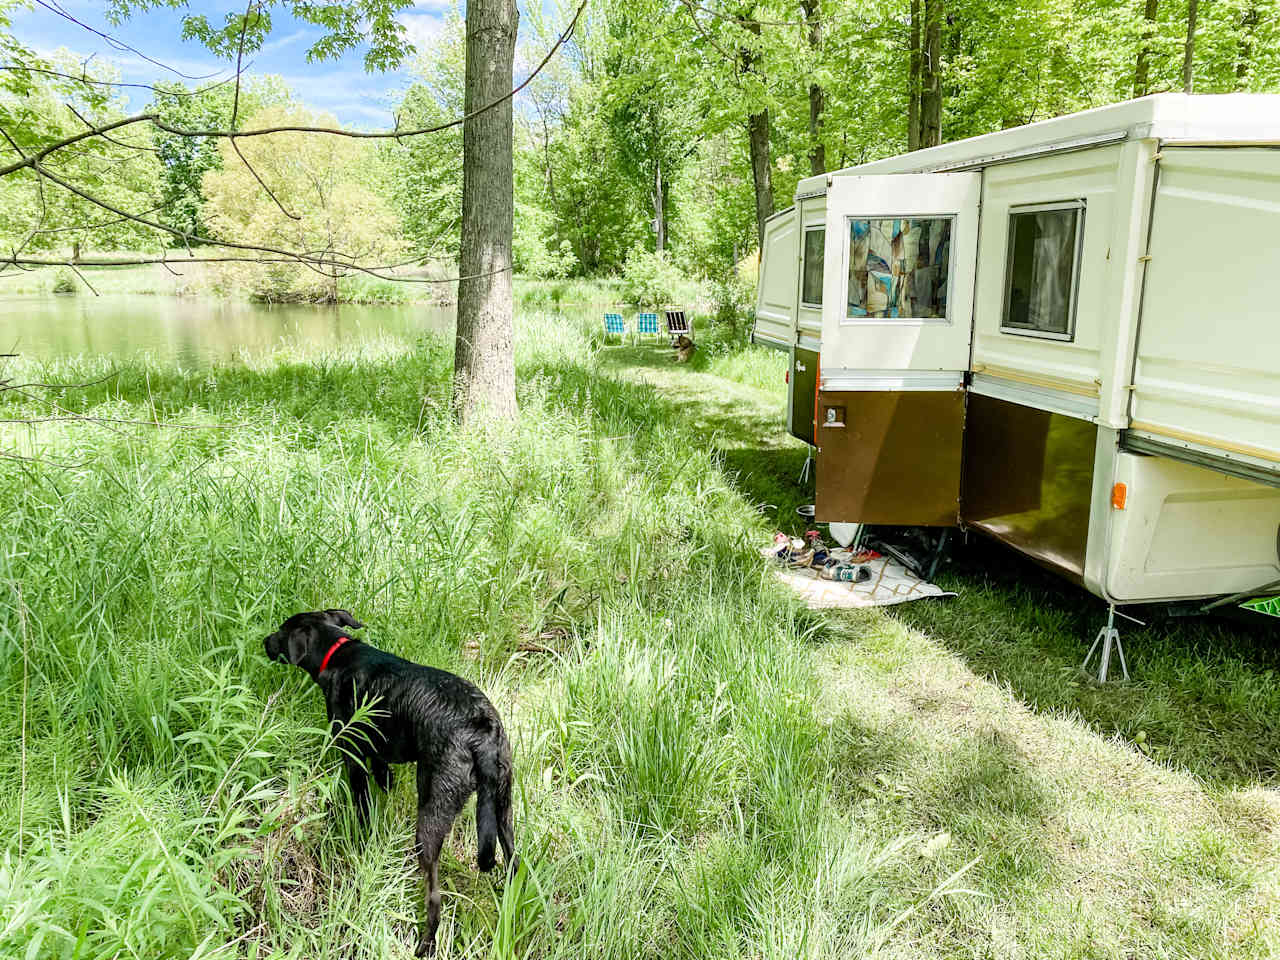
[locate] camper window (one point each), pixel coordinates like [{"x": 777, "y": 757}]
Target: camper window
[
  {"x": 815, "y": 244},
  {"x": 1042, "y": 269},
  {"x": 898, "y": 268}
]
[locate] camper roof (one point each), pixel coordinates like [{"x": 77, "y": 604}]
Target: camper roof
[{"x": 1218, "y": 119}]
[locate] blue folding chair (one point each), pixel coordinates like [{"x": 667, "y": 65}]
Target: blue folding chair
[
  {"x": 647, "y": 325},
  {"x": 614, "y": 325}
]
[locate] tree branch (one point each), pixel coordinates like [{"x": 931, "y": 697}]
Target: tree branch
[
  {"x": 56, "y": 9},
  {"x": 376, "y": 271},
  {"x": 156, "y": 119},
  {"x": 93, "y": 81}
]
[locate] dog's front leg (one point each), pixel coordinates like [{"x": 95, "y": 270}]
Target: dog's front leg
[
  {"x": 340, "y": 711},
  {"x": 382, "y": 774},
  {"x": 359, "y": 781}
]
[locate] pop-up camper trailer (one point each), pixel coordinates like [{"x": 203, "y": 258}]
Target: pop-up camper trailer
[{"x": 1065, "y": 336}]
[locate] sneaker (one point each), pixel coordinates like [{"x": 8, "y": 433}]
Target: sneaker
[{"x": 846, "y": 573}]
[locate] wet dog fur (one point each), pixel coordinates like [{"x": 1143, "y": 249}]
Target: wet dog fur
[{"x": 418, "y": 715}]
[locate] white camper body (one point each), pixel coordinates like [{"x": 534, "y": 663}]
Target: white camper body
[{"x": 1065, "y": 336}]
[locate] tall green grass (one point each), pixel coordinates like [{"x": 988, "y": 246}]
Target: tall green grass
[
  {"x": 171, "y": 794},
  {"x": 704, "y": 769},
  {"x": 727, "y": 353}
]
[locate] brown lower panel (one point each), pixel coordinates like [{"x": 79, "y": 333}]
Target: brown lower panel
[
  {"x": 890, "y": 457},
  {"x": 1028, "y": 480}
]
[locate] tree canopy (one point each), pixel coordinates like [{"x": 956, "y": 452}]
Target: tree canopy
[{"x": 663, "y": 127}]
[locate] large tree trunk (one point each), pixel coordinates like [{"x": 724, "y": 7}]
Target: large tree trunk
[
  {"x": 659, "y": 208},
  {"x": 758, "y": 141},
  {"x": 484, "y": 362},
  {"x": 758, "y": 134},
  {"x": 1141, "y": 70},
  {"x": 817, "y": 96},
  {"x": 931, "y": 92},
  {"x": 913, "y": 81},
  {"x": 1189, "y": 50}
]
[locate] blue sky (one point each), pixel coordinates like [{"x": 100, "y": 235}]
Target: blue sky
[{"x": 339, "y": 86}]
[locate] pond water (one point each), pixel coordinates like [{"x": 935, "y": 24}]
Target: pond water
[{"x": 194, "y": 330}]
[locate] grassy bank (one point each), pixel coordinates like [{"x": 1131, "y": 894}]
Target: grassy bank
[
  {"x": 704, "y": 769},
  {"x": 198, "y": 279},
  {"x": 181, "y": 279}
]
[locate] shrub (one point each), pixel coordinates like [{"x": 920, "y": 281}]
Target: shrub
[
  {"x": 650, "y": 278},
  {"x": 64, "y": 281},
  {"x": 732, "y": 301}
]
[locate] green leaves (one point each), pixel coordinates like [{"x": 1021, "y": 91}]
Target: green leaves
[
  {"x": 187, "y": 159},
  {"x": 344, "y": 27}
]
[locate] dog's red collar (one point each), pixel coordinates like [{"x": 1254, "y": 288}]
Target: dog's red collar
[{"x": 332, "y": 650}]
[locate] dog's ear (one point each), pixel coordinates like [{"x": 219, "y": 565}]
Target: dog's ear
[
  {"x": 343, "y": 618},
  {"x": 299, "y": 642}
]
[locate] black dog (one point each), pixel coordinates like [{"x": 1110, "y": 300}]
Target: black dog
[{"x": 421, "y": 714}]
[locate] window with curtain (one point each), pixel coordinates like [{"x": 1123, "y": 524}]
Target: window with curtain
[
  {"x": 815, "y": 248},
  {"x": 1040, "y": 280}
]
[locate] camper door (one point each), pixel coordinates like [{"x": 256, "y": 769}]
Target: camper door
[{"x": 901, "y": 252}]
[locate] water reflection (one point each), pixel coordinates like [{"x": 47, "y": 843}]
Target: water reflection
[{"x": 194, "y": 330}]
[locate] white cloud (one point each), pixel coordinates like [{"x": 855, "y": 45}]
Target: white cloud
[
  {"x": 272, "y": 45},
  {"x": 382, "y": 116},
  {"x": 202, "y": 69},
  {"x": 424, "y": 29}
]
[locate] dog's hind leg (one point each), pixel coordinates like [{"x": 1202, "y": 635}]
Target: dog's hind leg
[
  {"x": 441, "y": 794},
  {"x": 507, "y": 834}
]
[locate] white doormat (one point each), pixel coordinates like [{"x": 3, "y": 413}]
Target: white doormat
[{"x": 890, "y": 583}]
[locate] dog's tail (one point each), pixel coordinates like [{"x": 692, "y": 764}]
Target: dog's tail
[{"x": 493, "y": 799}]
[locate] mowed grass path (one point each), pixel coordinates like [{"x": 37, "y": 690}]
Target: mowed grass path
[
  {"x": 704, "y": 768},
  {"x": 1137, "y": 819}
]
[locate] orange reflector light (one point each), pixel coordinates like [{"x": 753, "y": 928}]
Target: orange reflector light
[
  {"x": 786, "y": 377},
  {"x": 1119, "y": 494}
]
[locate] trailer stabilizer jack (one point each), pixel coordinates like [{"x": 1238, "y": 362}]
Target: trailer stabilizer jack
[{"x": 1108, "y": 638}]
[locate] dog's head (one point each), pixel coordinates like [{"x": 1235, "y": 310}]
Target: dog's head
[{"x": 303, "y": 633}]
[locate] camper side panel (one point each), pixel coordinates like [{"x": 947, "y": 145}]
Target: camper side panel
[
  {"x": 779, "y": 276},
  {"x": 1207, "y": 374},
  {"x": 1028, "y": 480},
  {"x": 1007, "y": 344},
  {"x": 1045, "y": 317},
  {"x": 1187, "y": 531}
]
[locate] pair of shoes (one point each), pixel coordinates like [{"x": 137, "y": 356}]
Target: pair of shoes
[
  {"x": 821, "y": 555},
  {"x": 792, "y": 552}
]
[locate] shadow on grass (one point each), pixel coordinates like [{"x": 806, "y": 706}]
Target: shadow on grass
[
  {"x": 980, "y": 786},
  {"x": 746, "y": 430},
  {"x": 1203, "y": 694}
]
